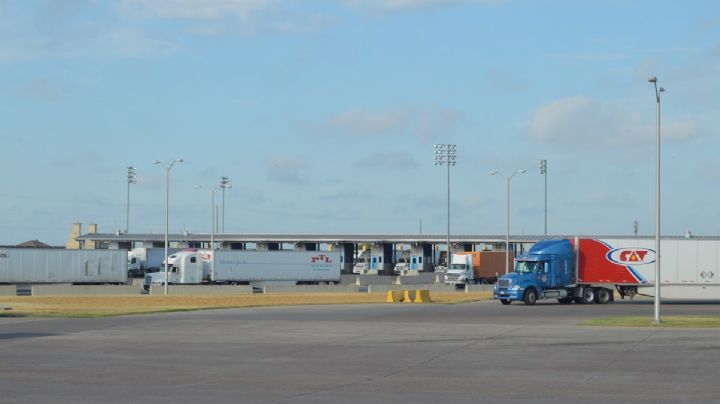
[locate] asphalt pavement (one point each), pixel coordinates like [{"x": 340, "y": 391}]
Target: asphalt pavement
[{"x": 383, "y": 353}]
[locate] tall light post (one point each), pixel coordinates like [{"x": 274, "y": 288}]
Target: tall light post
[
  {"x": 543, "y": 172},
  {"x": 131, "y": 179},
  {"x": 225, "y": 183},
  {"x": 507, "y": 215},
  {"x": 167, "y": 168},
  {"x": 658, "y": 90},
  {"x": 445, "y": 155},
  {"x": 212, "y": 215}
]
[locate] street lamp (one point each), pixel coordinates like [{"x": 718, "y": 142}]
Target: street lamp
[
  {"x": 543, "y": 172},
  {"x": 167, "y": 208},
  {"x": 212, "y": 215},
  {"x": 131, "y": 179},
  {"x": 445, "y": 155},
  {"x": 225, "y": 183},
  {"x": 507, "y": 215},
  {"x": 658, "y": 90}
]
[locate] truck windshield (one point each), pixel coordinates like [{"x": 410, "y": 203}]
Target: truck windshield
[
  {"x": 458, "y": 266},
  {"x": 528, "y": 266}
]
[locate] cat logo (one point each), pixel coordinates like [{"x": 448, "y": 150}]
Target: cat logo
[{"x": 631, "y": 256}]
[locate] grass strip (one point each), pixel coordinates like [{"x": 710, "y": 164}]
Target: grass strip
[
  {"x": 107, "y": 306},
  {"x": 666, "y": 322}
]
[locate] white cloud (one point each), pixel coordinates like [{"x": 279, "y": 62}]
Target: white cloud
[
  {"x": 195, "y": 9},
  {"x": 586, "y": 122},
  {"x": 286, "y": 170},
  {"x": 385, "y": 6},
  {"x": 419, "y": 121},
  {"x": 389, "y": 160}
]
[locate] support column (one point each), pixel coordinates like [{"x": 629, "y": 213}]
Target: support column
[
  {"x": 268, "y": 246},
  {"x": 387, "y": 264},
  {"x": 348, "y": 252}
]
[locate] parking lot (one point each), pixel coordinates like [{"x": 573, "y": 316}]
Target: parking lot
[{"x": 477, "y": 352}]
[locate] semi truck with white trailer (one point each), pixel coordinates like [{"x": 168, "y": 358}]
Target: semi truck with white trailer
[
  {"x": 591, "y": 270},
  {"x": 248, "y": 267},
  {"x": 41, "y": 265},
  {"x": 142, "y": 260}
]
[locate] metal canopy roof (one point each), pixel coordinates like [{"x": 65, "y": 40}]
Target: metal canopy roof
[{"x": 344, "y": 238}]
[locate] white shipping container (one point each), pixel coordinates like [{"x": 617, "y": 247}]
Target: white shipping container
[
  {"x": 31, "y": 265},
  {"x": 250, "y": 266}
]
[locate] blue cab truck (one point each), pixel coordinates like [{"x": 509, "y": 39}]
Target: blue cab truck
[{"x": 560, "y": 269}]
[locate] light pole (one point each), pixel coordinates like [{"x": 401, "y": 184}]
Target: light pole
[
  {"x": 167, "y": 209},
  {"x": 507, "y": 215},
  {"x": 225, "y": 183},
  {"x": 543, "y": 172},
  {"x": 212, "y": 215},
  {"x": 131, "y": 179},
  {"x": 445, "y": 155},
  {"x": 658, "y": 90}
]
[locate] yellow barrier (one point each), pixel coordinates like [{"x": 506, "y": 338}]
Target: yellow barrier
[
  {"x": 422, "y": 296},
  {"x": 406, "y": 296},
  {"x": 394, "y": 296}
]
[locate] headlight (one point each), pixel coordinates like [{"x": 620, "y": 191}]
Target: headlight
[{"x": 515, "y": 287}]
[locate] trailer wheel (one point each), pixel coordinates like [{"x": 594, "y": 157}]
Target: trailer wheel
[
  {"x": 505, "y": 302},
  {"x": 588, "y": 295},
  {"x": 602, "y": 296},
  {"x": 530, "y": 297}
]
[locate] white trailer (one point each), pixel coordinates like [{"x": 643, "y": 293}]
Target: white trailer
[
  {"x": 689, "y": 268},
  {"x": 249, "y": 267},
  {"x": 33, "y": 265}
]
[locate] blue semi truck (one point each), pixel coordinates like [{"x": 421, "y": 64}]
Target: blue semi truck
[
  {"x": 584, "y": 270},
  {"x": 560, "y": 269}
]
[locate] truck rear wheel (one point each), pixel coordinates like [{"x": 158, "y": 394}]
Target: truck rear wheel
[
  {"x": 530, "y": 297},
  {"x": 588, "y": 295},
  {"x": 602, "y": 296}
]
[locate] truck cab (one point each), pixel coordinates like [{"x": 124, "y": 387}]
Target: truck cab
[
  {"x": 185, "y": 267},
  {"x": 546, "y": 271},
  {"x": 460, "y": 271}
]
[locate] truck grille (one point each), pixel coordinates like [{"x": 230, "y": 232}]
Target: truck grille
[
  {"x": 451, "y": 277},
  {"x": 503, "y": 283}
]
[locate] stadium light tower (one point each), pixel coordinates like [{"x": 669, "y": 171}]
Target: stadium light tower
[
  {"x": 225, "y": 183},
  {"x": 131, "y": 179},
  {"x": 445, "y": 154}
]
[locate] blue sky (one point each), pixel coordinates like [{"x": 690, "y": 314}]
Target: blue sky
[{"x": 324, "y": 114}]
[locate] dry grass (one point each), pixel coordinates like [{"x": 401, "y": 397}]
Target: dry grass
[{"x": 101, "y": 306}]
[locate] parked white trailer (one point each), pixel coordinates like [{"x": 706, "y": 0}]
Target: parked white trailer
[
  {"x": 33, "y": 265},
  {"x": 249, "y": 267}
]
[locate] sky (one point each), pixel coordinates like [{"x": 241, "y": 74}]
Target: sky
[{"x": 324, "y": 114}]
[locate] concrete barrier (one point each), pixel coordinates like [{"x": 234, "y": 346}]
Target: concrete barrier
[
  {"x": 310, "y": 289},
  {"x": 480, "y": 288},
  {"x": 84, "y": 290},
  {"x": 184, "y": 290},
  {"x": 8, "y": 290}
]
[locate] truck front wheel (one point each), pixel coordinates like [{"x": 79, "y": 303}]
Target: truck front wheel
[
  {"x": 530, "y": 297},
  {"x": 602, "y": 296}
]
